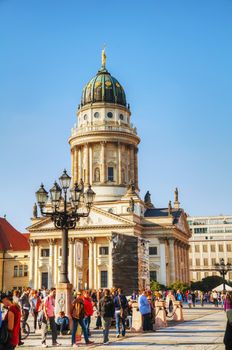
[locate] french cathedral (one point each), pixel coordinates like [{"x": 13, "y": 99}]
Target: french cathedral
[{"x": 126, "y": 241}]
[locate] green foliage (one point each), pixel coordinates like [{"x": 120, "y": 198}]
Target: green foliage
[
  {"x": 207, "y": 283},
  {"x": 179, "y": 285},
  {"x": 156, "y": 286}
]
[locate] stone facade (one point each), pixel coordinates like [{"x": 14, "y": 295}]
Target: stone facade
[
  {"x": 104, "y": 153},
  {"x": 211, "y": 241}
]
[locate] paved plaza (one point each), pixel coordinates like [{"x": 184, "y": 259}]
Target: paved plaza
[{"x": 203, "y": 329}]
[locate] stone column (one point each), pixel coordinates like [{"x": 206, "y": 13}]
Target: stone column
[
  {"x": 80, "y": 172},
  {"x": 76, "y": 165},
  {"x": 36, "y": 277},
  {"x": 132, "y": 163},
  {"x": 119, "y": 179},
  {"x": 172, "y": 260},
  {"x": 55, "y": 264},
  {"x": 110, "y": 268},
  {"x": 103, "y": 165},
  {"x": 90, "y": 240},
  {"x": 187, "y": 259},
  {"x": 71, "y": 259},
  {"x": 177, "y": 265},
  {"x": 90, "y": 165},
  {"x": 32, "y": 264},
  {"x": 94, "y": 264},
  {"x": 163, "y": 278},
  {"x": 136, "y": 168},
  {"x": 51, "y": 264},
  {"x": 86, "y": 165},
  {"x": 72, "y": 163}
]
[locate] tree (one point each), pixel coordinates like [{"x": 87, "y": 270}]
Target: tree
[
  {"x": 156, "y": 286},
  {"x": 179, "y": 285},
  {"x": 207, "y": 284}
]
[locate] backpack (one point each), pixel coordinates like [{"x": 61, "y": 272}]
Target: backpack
[
  {"x": 4, "y": 333},
  {"x": 107, "y": 307}
]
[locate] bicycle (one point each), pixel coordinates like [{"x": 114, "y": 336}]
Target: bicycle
[{"x": 25, "y": 331}]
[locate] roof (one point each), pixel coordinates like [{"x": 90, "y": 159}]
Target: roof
[
  {"x": 103, "y": 88},
  {"x": 11, "y": 239},
  {"x": 162, "y": 212}
]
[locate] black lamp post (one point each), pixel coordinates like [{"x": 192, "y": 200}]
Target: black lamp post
[
  {"x": 65, "y": 213},
  {"x": 223, "y": 269}
]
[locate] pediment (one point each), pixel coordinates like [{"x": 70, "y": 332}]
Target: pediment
[
  {"x": 97, "y": 218},
  {"x": 182, "y": 224}
]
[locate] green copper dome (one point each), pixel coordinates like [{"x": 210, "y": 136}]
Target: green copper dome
[{"x": 103, "y": 88}]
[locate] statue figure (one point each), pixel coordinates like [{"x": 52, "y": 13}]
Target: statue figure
[
  {"x": 35, "y": 212},
  {"x": 103, "y": 57},
  {"x": 97, "y": 175},
  {"x": 147, "y": 198},
  {"x": 169, "y": 208},
  {"x": 131, "y": 187},
  {"x": 131, "y": 207},
  {"x": 176, "y": 195}
]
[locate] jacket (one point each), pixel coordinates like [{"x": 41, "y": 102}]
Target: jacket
[
  {"x": 144, "y": 306},
  {"x": 88, "y": 307},
  {"x": 78, "y": 309},
  {"x": 122, "y": 303},
  {"x": 106, "y": 307}
]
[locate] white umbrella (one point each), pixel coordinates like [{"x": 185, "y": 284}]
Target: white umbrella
[{"x": 220, "y": 288}]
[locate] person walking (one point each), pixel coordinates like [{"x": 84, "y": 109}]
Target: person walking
[
  {"x": 35, "y": 302},
  {"x": 120, "y": 304},
  {"x": 106, "y": 309},
  {"x": 145, "y": 310},
  {"x": 228, "y": 333},
  {"x": 12, "y": 318},
  {"x": 88, "y": 310},
  {"x": 49, "y": 316},
  {"x": 78, "y": 315},
  {"x": 25, "y": 306}
]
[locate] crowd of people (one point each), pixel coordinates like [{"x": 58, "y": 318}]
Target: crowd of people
[{"x": 109, "y": 306}]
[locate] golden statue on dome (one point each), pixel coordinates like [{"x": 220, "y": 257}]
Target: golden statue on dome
[{"x": 104, "y": 57}]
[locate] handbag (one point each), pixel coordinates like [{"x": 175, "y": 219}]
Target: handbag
[
  {"x": 4, "y": 334},
  {"x": 123, "y": 312}
]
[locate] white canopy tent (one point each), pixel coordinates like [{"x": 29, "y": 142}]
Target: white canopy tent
[{"x": 220, "y": 288}]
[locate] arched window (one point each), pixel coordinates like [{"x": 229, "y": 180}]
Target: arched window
[
  {"x": 97, "y": 175},
  {"x": 110, "y": 173}
]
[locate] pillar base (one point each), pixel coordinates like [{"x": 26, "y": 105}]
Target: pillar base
[
  {"x": 64, "y": 298},
  {"x": 178, "y": 315},
  {"x": 137, "y": 322}
]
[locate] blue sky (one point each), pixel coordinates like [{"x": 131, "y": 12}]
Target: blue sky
[{"x": 173, "y": 59}]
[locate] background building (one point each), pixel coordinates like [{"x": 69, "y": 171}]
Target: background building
[
  {"x": 125, "y": 241},
  {"x": 14, "y": 257},
  {"x": 211, "y": 240}
]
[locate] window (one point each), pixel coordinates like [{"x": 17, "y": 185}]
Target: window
[
  {"x": 153, "y": 276},
  {"x": 229, "y": 260},
  {"x": 197, "y": 248},
  {"x": 25, "y": 270},
  {"x": 44, "y": 252},
  {"x": 153, "y": 251},
  {"x": 96, "y": 115},
  {"x": 228, "y": 247},
  {"x": 200, "y": 230},
  {"x": 104, "y": 279},
  {"x": 205, "y": 262},
  {"x": 220, "y": 248},
  {"x": 110, "y": 173},
  {"x": 15, "y": 271},
  {"x": 121, "y": 116},
  {"x": 212, "y": 248},
  {"x": 213, "y": 261},
  {"x": 197, "y": 262},
  {"x": 20, "y": 270},
  {"x": 104, "y": 251},
  {"x": 198, "y": 275},
  {"x": 206, "y": 274},
  {"x": 205, "y": 248},
  {"x": 110, "y": 115}
]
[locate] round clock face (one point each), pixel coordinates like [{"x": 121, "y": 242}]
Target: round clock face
[
  {"x": 96, "y": 115},
  {"x": 121, "y": 116},
  {"x": 110, "y": 115}
]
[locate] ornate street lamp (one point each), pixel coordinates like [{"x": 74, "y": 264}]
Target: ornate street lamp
[
  {"x": 223, "y": 269},
  {"x": 64, "y": 212}
]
